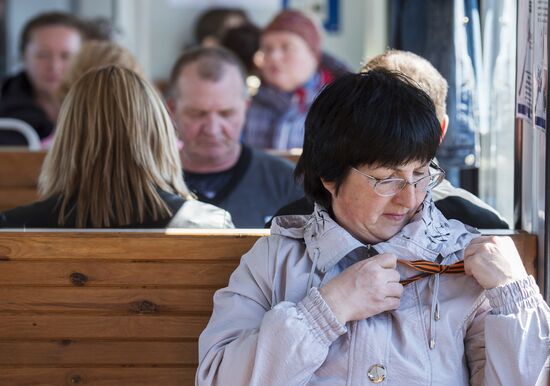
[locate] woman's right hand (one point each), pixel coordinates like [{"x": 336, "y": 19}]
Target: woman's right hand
[{"x": 364, "y": 289}]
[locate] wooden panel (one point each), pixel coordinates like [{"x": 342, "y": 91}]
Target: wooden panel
[
  {"x": 527, "y": 247},
  {"x": 101, "y": 327},
  {"x": 129, "y": 376},
  {"x": 293, "y": 155},
  {"x": 122, "y": 245},
  {"x": 38, "y": 273},
  {"x": 106, "y": 301},
  {"x": 20, "y": 168},
  {"x": 13, "y": 197},
  {"x": 80, "y": 353},
  {"x": 95, "y": 334}
]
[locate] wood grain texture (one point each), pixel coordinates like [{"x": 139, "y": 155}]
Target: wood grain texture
[
  {"x": 292, "y": 155},
  {"x": 20, "y": 168},
  {"x": 93, "y": 376},
  {"x": 118, "y": 245},
  {"x": 135, "y": 314},
  {"x": 107, "y": 301},
  {"x": 526, "y": 244},
  {"x": 12, "y": 197},
  {"x": 43, "y": 272},
  {"x": 75, "y": 326},
  {"x": 74, "y": 353}
]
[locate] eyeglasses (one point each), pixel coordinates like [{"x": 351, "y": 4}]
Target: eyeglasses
[{"x": 388, "y": 187}]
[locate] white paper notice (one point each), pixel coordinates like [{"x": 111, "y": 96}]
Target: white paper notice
[
  {"x": 524, "y": 85},
  {"x": 540, "y": 63}
]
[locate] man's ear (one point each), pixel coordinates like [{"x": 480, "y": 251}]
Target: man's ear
[{"x": 444, "y": 126}]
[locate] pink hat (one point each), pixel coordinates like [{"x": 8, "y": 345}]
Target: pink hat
[{"x": 299, "y": 24}]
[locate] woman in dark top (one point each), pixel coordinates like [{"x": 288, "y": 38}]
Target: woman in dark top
[
  {"x": 114, "y": 162},
  {"x": 48, "y": 42}
]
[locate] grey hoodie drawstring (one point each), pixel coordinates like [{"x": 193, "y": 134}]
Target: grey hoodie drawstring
[
  {"x": 316, "y": 254},
  {"x": 434, "y": 314}
]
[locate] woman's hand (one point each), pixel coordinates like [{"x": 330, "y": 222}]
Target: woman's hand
[
  {"x": 493, "y": 261},
  {"x": 364, "y": 289}
]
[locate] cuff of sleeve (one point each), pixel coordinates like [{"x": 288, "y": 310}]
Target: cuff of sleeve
[
  {"x": 317, "y": 312},
  {"x": 510, "y": 298}
]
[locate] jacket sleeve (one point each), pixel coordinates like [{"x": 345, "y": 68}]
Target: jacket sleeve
[
  {"x": 509, "y": 344},
  {"x": 250, "y": 341}
]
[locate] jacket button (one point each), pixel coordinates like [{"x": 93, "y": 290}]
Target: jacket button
[{"x": 377, "y": 373}]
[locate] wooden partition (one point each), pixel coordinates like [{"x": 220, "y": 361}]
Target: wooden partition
[
  {"x": 102, "y": 308},
  {"x": 19, "y": 171},
  {"x": 109, "y": 308},
  {"x": 293, "y": 155}
]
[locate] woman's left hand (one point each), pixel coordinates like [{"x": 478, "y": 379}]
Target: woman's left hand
[{"x": 493, "y": 261}]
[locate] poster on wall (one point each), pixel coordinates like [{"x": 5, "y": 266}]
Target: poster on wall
[
  {"x": 540, "y": 63},
  {"x": 532, "y": 62},
  {"x": 524, "y": 84},
  {"x": 327, "y": 11}
]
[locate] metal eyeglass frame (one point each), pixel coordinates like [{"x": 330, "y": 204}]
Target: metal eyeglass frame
[{"x": 435, "y": 179}]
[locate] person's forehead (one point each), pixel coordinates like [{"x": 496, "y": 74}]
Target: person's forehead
[
  {"x": 280, "y": 37},
  {"x": 54, "y": 31},
  {"x": 409, "y": 166},
  {"x": 191, "y": 84},
  {"x": 54, "y": 38}
]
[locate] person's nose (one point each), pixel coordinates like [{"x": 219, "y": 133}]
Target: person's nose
[
  {"x": 57, "y": 64},
  {"x": 212, "y": 123},
  {"x": 274, "y": 55},
  {"x": 407, "y": 196}
]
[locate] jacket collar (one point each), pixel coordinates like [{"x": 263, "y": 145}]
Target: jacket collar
[{"x": 425, "y": 237}]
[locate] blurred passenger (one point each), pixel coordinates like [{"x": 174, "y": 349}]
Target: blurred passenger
[
  {"x": 100, "y": 28},
  {"x": 97, "y": 53},
  {"x": 114, "y": 163},
  {"x": 212, "y": 25},
  {"x": 454, "y": 203},
  {"x": 209, "y": 101},
  {"x": 290, "y": 52},
  {"x": 244, "y": 42},
  {"x": 47, "y": 44},
  {"x": 94, "y": 53}
]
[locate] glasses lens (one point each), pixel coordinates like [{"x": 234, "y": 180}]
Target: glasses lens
[
  {"x": 393, "y": 186},
  {"x": 389, "y": 187},
  {"x": 435, "y": 179},
  {"x": 423, "y": 183}
]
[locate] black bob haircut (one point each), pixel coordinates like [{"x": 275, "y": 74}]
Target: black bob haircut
[{"x": 379, "y": 118}]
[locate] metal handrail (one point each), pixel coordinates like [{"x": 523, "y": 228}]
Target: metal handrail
[{"x": 23, "y": 128}]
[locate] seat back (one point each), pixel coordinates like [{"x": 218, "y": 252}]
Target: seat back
[
  {"x": 116, "y": 307},
  {"x": 19, "y": 171}
]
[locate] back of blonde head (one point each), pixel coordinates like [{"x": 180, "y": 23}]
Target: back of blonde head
[
  {"x": 97, "y": 53},
  {"x": 419, "y": 70},
  {"x": 115, "y": 147}
]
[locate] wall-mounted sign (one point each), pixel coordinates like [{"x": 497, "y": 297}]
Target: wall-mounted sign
[{"x": 327, "y": 11}]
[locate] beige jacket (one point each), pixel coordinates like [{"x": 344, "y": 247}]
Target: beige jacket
[{"x": 270, "y": 326}]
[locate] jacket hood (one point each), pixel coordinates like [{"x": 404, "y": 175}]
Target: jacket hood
[{"x": 426, "y": 237}]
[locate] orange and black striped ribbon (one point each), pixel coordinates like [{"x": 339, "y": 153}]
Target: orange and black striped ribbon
[{"x": 428, "y": 268}]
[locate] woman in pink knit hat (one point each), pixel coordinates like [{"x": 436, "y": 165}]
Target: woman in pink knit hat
[{"x": 292, "y": 74}]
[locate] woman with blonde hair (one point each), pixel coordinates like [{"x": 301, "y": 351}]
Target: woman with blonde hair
[
  {"x": 114, "y": 162},
  {"x": 94, "y": 53}
]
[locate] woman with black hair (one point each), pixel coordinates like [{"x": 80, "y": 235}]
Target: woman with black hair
[{"x": 375, "y": 285}]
